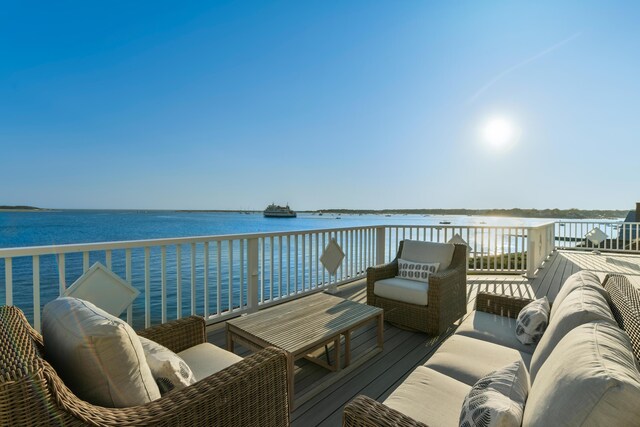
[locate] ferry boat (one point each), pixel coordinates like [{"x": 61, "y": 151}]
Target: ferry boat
[{"x": 276, "y": 211}]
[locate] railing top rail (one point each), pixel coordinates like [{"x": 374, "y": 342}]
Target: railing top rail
[
  {"x": 131, "y": 244},
  {"x": 584, "y": 221}
]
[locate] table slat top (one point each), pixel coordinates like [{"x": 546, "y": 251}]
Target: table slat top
[{"x": 304, "y": 322}]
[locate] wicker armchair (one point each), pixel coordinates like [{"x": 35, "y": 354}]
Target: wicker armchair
[
  {"x": 252, "y": 392},
  {"x": 447, "y": 295}
]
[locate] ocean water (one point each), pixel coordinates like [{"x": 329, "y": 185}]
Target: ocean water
[{"x": 20, "y": 229}]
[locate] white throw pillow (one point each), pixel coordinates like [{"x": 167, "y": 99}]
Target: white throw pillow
[
  {"x": 532, "y": 321},
  {"x": 497, "y": 399},
  {"x": 416, "y": 270},
  {"x": 167, "y": 368},
  {"x": 97, "y": 355}
]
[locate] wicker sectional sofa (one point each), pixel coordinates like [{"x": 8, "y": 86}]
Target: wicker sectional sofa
[
  {"x": 578, "y": 375},
  {"x": 251, "y": 392}
]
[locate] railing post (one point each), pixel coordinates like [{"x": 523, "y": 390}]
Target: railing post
[
  {"x": 532, "y": 237},
  {"x": 252, "y": 275},
  {"x": 380, "y": 245}
]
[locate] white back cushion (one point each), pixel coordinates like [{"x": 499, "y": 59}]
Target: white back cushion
[
  {"x": 575, "y": 281},
  {"x": 428, "y": 252},
  {"x": 581, "y": 306},
  {"x": 98, "y": 356},
  {"x": 591, "y": 379}
]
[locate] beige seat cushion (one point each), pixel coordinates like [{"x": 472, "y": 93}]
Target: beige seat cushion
[
  {"x": 206, "y": 359},
  {"x": 582, "y": 305},
  {"x": 575, "y": 281},
  {"x": 493, "y": 328},
  {"x": 429, "y": 397},
  {"x": 590, "y": 379},
  {"x": 428, "y": 252},
  {"x": 405, "y": 290},
  {"x": 97, "y": 355},
  {"x": 468, "y": 359}
]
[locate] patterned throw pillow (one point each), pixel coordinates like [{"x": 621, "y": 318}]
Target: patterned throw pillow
[
  {"x": 167, "y": 368},
  {"x": 416, "y": 270},
  {"x": 532, "y": 321},
  {"x": 497, "y": 399}
]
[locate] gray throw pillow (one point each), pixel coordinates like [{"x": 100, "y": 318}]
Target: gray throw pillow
[
  {"x": 532, "y": 321},
  {"x": 497, "y": 399}
]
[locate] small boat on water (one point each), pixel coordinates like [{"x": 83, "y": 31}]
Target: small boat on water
[
  {"x": 445, "y": 222},
  {"x": 277, "y": 211}
]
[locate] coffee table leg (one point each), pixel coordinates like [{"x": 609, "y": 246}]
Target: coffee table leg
[
  {"x": 380, "y": 331},
  {"x": 347, "y": 348},
  {"x": 336, "y": 352},
  {"x": 229, "y": 341}
]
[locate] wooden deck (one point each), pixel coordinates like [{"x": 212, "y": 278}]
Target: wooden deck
[{"x": 405, "y": 350}]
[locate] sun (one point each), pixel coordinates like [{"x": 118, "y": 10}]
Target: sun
[{"x": 499, "y": 132}]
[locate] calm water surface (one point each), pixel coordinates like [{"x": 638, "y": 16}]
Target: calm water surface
[{"x": 62, "y": 227}]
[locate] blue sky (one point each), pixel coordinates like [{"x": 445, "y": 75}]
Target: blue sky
[{"x": 225, "y": 105}]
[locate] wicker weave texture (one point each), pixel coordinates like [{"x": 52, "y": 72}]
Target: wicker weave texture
[
  {"x": 502, "y": 305},
  {"x": 252, "y": 392},
  {"x": 447, "y": 296},
  {"x": 625, "y": 305},
  {"x": 366, "y": 412}
]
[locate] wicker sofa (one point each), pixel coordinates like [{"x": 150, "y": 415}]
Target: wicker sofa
[
  {"x": 447, "y": 292},
  {"x": 433, "y": 393},
  {"x": 252, "y": 392}
]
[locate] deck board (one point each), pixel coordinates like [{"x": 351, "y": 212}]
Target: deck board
[{"x": 405, "y": 350}]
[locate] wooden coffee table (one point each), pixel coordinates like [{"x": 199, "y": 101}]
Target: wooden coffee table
[{"x": 299, "y": 327}]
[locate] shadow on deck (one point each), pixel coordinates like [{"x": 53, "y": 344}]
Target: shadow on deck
[{"x": 405, "y": 350}]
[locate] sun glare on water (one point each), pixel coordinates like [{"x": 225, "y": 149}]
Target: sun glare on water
[{"x": 499, "y": 132}]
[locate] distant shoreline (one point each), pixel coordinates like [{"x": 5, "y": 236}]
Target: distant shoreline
[
  {"x": 509, "y": 213},
  {"x": 21, "y": 209}
]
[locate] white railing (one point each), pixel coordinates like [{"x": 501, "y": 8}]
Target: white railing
[
  {"x": 621, "y": 236},
  {"x": 212, "y": 276},
  {"x": 492, "y": 249},
  {"x": 219, "y": 277}
]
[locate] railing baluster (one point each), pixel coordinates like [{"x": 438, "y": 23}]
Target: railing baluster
[
  {"x": 295, "y": 284},
  {"x": 127, "y": 275},
  {"x": 317, "y": 259},
  {"x": 147, "y": 287},
  {"x": 178, "y": 281},
  {"x": 280, "y": 281},
  {"x": 304, "y": 262},
  {"x": 289, "y": 265},
  {"x": 271, "y": 264},
  {"x": 8, "y": 280},
  {"x": 230, "y": 278},
  {"x": 241, "y": 299},
  {"x": 193, "y": 279},
  {"x": 36, "y": 293},
  {"x": 107, "y": 256},
  {"x": 85, "y": 262},
  {"x": 62, "y": 281},
  {"x": 324, "y": 245},
  {"x": 262, "y": 255},
  {"x": 163, "y": 283}
]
